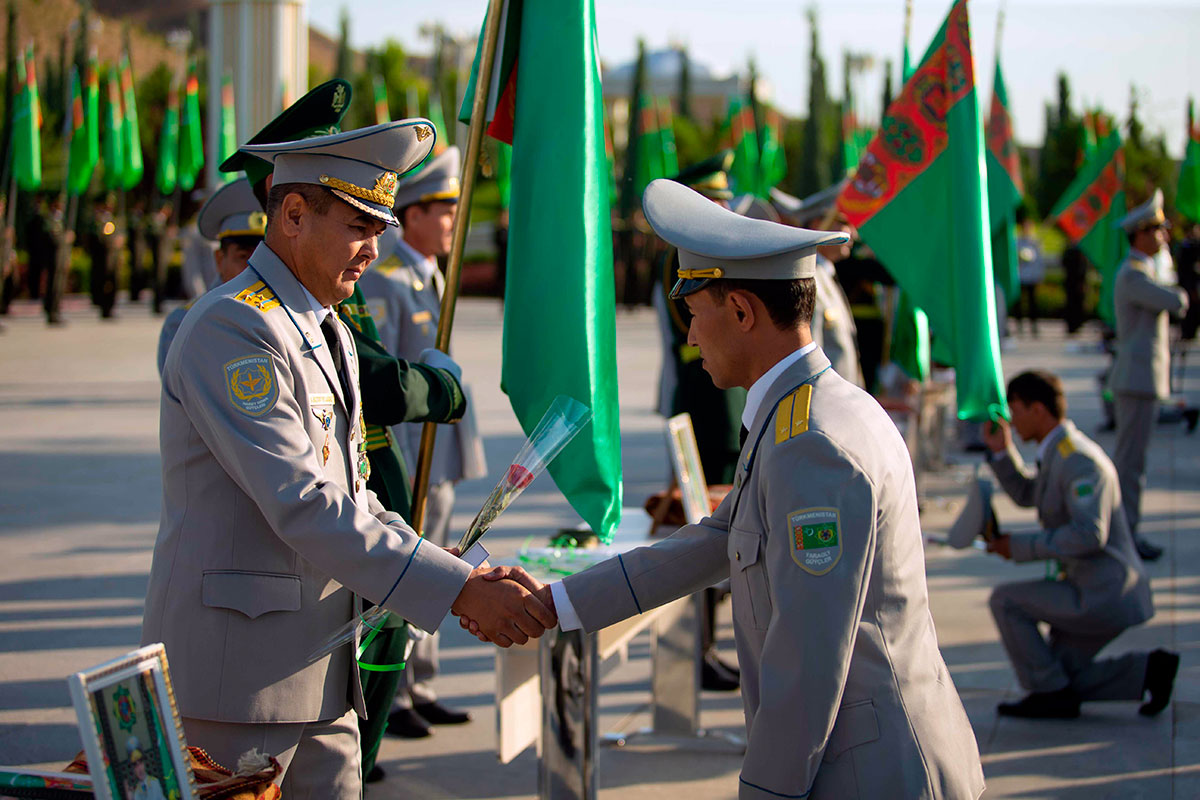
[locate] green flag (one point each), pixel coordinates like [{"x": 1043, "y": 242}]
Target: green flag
[
  {"x": 666, "y": 138},
  {"x": 382, "y": 114},
  {"x": 91, "y": 110},
  {"x": 649, "y": 144},
  {"x": 1005, "y": 189},
  {"x": 743, "y": 175},
  {"x": 27, "y": 127},
  {"x": 79, "y": 161},
  {"x": 166, "y": 175},
  {"x": 559, "y": 304},
  {"x": 772, "y": 160},
  {"x": 1187, "y": 195},
  {"x": 439, "y": 123},
  {"x": 113, "y": 144},
  {"x": 918, "y": 199},
  {"x": 910, "y": 338},
  {"x": 1091, "y": 209},
  {"x": 229, "y": 138},
  {"x": 504, "y": 172},
  {"x": 191, "y": 144},
  {"x": 134, "y": 168}
]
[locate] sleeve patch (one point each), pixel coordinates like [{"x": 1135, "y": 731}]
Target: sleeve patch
[
  {"x": 791, "y": 416},
  {"x": 259, "y": 295},
  {"x": 251, "y": 384},
  {"x": 1083, "y": 488},
  {"x": 815, "y": 539}
]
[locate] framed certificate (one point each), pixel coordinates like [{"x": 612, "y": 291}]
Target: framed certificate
[
  {"x": 685, "y": 460},
  {"x": 131, "y": 730}
]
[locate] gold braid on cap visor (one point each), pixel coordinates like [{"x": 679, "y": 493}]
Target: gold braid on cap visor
[
  {"x": 692, "y": 274},
  {"x": 384, "y": 193}
]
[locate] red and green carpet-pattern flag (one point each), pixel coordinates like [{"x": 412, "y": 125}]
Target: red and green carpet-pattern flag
[
  {"x": 772, "y": 160},
  {"x": 1187, "y": 194},
  {"x": 559, "y": 305},
  {"x": 743, "y": 174},
  {"x": 651, "y": 161},
  {"x": 228, "y": 143},
  {"x": 666, "y": 137},
  {"x": 918, "y": 199},
  {"x": 80, "y": 163},
  {"x": 1091, "y": 209},
  {"x": 382, "y": 114},
  {"x": 134, "y": 167},
  {"x": 27, "y": 127},
  {"x": 1005, "y": 189},
  {"x": 166, "y": 176},
  {"x": 114, "y": 134},
  {"x": 191, "y": 143}
]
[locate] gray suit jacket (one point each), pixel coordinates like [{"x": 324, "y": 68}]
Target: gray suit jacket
[
  {"x": 1078, "y": 500},
  {"x": 1142, "y": 365},
  {"x": 264, "y": 539},
  {"x": 406, "y": 310},
  {"x": 845, "y": 691},
  {"x": 833, "y": 326}
]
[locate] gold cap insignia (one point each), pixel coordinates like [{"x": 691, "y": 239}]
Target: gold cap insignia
[
  {"x": 384, "y": 193},
  {"x": 339, "y": 98},
  {"x": 258, "y": 221},
  {"x": 423, "y": 133}
]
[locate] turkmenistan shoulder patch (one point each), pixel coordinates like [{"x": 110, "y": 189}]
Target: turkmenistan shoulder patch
[
  {"x": 816, "y": 541},
  {"x": 1083, "y": 488},
  {"x": 251, "y": 382},
  {"x": 259, "y": 295}
]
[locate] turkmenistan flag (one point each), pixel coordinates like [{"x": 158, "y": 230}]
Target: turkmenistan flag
[
  {"x": 772, "y": 160},
  {"x": 166, "y": 175},
  {"x": 666, "y": 137},
  {"x": 650, "y": 162},
  {"x": 918, "y": 199},
  {"x": 743, "y": 174},
  {"x": 559, "y": 305},
  {"x": 191, "y": 143},
  {"x": 134, "y": 168},
  {"x": 382, "y": 114},
  {"x": 27, "y": 127},
  {"x": 114, "y": 134},
  {"x": 91, "y": 110},
  {"x": 79, "y": 161},
  {"x": 228, "y": 143},
  {"x": 1004, "y": 189},
  {"x": 1187, "y": 195},
  {"x": 1089, "y": 212}
]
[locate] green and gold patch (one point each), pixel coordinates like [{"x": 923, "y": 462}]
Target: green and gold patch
[{"x": 815, "y": 539}]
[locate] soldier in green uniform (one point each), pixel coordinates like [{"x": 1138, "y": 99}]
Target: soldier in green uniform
[{"x": 394, "y": 390}]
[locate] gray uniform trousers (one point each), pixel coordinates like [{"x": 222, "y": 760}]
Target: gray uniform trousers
[
  {"x": 1104, "y": 590},
  {"x": 1135, "y": 417}
]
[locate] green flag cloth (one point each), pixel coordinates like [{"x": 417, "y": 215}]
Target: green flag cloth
[
  {"x": 114, "y": 134},
  {"x": 772, "y": 160},
  {"x": 1187, "y": 194},
  {"x": 166, "y": 176},
  {"x": 91, "y": 110},
  {"x": 382, "y": 114},
  {"x": 666, "y": 138},
  {"x": 743, "y": 174},
  {"x": 439, "y": 123},
  {"x": 559, "y": 304},
  {"x": 910, "y": 338},
  {"x": 1091, "y": 209},
  {"x": 1005, "y": 189},
  {"x": 918, "y": 199},
  {"x": 650, "y": 165},
  {"x": 134, "y": 168},
  {"x": 504, "y": 172},
  {"x": 27, "y": 127},
  {"x": 228, "y": 143},
  {"x": 191, "y": 143},
  {"x": 79, "y": 161}
]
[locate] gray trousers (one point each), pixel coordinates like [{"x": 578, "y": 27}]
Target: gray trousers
[
  {"x": 320, "y": 760},
  {"x": 1068, "y": 657},
  {"x": 416, "y": 682},
  {"x": 1135, "y": 416}
]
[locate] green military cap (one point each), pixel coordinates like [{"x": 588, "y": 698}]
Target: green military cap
[
  {"x": 710, "y": 177},
  {"x": 232, "y": 211},
  {"x": 362, "y": 167},
  {"x": 714, "y": 242},
  {"x": 1148, "y": 215},
  {"x": 436, "y": 180},
  {"x": 977, "y": 519},
  {"x": 317, "y": 113}
]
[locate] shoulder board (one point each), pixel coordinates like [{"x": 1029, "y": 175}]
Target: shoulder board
[
  {"x": 1065, "y": 448},
  {"x": 189, "y": 304},
  {"x": 791, "y": 416},
  {"x": 258, "y": 295},
  {"x": 389, "y": 264}
]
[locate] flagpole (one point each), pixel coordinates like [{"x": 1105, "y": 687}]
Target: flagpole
[{"x": 462, "y": 218}]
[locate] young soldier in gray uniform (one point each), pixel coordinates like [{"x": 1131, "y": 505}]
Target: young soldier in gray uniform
[
  {"x": 268, "y": 529},
  {"x": 403, "y": 292},
  {"x": 1103, "y": 588},
  {"x": 1141, "y": 371},
  {"x": 845, "y": 691},
  {"x": 233, "y": 219}
]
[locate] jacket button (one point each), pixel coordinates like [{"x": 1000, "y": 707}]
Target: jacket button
[{"x": 737, "y": 556}]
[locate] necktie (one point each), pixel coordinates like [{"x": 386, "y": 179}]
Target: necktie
[{"x": 329, "y": 328}]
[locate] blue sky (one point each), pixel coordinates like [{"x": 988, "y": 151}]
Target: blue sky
[{"x": 1103, "y": 46}]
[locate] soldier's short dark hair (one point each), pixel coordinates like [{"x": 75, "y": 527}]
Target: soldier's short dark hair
[
  {"x": 318, "y": 198},
  {"x": 424, "y": 205},
  {"x": 248, "y": 242},
  {"x": 1039, "y": 386},
  {"x": 789, "y": 301}
]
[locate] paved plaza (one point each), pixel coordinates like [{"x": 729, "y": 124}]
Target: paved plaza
[{"x": 79, "y": 510}]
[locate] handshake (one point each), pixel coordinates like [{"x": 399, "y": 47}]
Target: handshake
[{"x": 505, "y": 606}]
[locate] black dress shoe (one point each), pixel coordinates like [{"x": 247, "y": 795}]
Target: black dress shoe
[
  {"x": 1062, "y": 704},
  {"x": 437, "y": 714},
  {"x": 1160, "y": 681},
  {"x": 716, "y": 676},
  {"x": 1191, "y": 416},
  {"x": 405, "y": 722},
  {"x": 1147, "y": 550},
  {"x": 375, "y": 775}
]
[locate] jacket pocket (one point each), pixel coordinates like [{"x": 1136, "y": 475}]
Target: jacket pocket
[
  {"x": 856, "y": 725},
  {"x": 748, "y": 579},
  {"x": 251, "y": 593}
]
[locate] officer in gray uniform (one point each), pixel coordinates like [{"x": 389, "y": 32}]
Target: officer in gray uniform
[
  {"x": 846, "y": 694},
  {"x": 268, "y": 529},
  {"x": 403, "y": 292},
  {"x": 1102, "y": 588},
  {"x": 233, "y": 219},
  {"x": 1141, "y": 371}
]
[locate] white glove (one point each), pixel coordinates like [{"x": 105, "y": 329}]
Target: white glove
[{"x": 432, "y": 357}]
